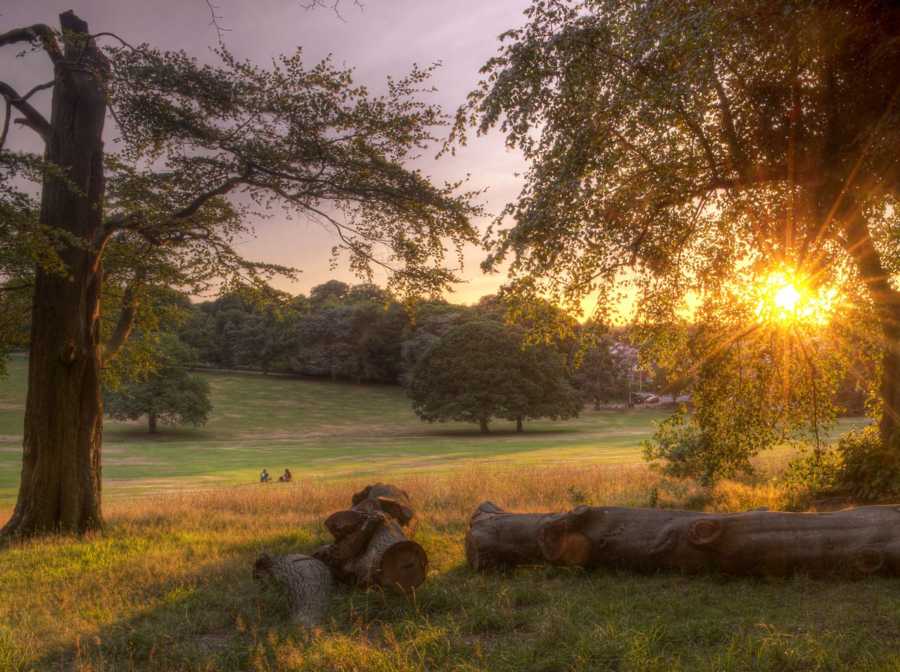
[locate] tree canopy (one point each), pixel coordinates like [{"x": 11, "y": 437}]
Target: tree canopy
[
  {"x": 170, "y": 394},
  {"x": 482, "y": 370},
  {"x": 695, "y": 149},
  {"x": 161, "y": 199}
]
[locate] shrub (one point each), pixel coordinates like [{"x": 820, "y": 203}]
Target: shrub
[
  {"x": 869, "y": 470},
  {"x": 812, "y": 473},
  {"x": 687, "y": 451}
]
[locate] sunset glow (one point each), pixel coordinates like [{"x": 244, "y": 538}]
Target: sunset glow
[{"x": 788, "y": 297}]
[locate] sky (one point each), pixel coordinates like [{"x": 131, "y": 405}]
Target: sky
[{"x": 384, "y": 37}]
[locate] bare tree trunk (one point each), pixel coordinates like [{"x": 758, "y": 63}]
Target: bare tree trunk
[
  {"x": 853, "y": 542},
  {"x": 519, "y": 424},
  {"x": 306, "y": 581},
  {"x": 151, "y": 423},
  {"x": 483, "y": 426},
  {"x": 60, "y": 481}
]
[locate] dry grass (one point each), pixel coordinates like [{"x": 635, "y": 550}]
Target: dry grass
[{"x": 167, "y": 586}]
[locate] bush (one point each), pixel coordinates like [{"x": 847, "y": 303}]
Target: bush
[
  {"x": 869, "y": 469},
  {"x": 812, "y": 473},
  {"x": 687, "y": 451}
]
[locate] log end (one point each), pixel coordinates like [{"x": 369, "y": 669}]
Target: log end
[{"x": 404, "y": 566}]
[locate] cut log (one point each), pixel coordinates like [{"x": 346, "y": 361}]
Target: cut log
[
  {"x": 306, "y": 581},
  {"x": 852, "y": 542},
  {"x": 497, "y": 539},
  {"x": 391, "y": 560},
  {"x": 388, "y": 499},
  {"x": 378, "y": 553}
]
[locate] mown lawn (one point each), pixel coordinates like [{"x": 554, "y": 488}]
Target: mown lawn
[{"x": 316, "y": 428}]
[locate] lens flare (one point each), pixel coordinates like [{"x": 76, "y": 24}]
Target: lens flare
[{"x": 787, "y": 297}]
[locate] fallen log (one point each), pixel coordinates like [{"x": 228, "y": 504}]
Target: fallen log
[
  {"x": 306, "y": 581},
  {"x": 853, "y": 542}
]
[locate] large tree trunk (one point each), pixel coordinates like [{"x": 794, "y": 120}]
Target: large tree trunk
[
  {"x": 151, "y": 423},
  {"x": 886, "y": 302},
  {"x": 306, "y": 581},
  {"x": 853, "y": 542},
  {"x": 60, "y": 481},
  {"x": 890, "y": 372}
]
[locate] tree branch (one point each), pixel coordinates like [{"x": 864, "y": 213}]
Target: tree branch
[
  {"x": 39, "y": 32},
  {"x": 33, "y": 119},
  {"x": 738, "y": 157},
  {"x": 125, "y": 323}
]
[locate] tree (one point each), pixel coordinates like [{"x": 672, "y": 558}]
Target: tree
[
  {"x": 603, "y": 372},
  {"x": 191, "y": 138},
  {"x": 170, "y": 394},
  {"x": 483, "y": 370},
  {"x": 695, "y": 147}
]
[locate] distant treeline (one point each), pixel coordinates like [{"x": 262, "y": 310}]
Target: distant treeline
[{"x": 361, "y": 333}]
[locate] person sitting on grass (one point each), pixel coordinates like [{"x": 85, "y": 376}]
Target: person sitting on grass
[
  {"x": 264, "y": 476},
  {"x": 286, "y": 476}
]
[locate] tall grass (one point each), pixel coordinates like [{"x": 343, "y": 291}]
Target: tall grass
[{"x": 167, "y": 586}]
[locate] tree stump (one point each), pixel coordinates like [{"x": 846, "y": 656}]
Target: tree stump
[
  {"x": 853, "y": 542},
  {"x": 306, "y": 581}
]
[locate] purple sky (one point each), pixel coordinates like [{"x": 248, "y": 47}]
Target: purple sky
[{"x": 383, "y": 38}]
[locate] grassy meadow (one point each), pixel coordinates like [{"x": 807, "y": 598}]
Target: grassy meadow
[
  {"x": 167, "y": 586},
  {"x": 316, "y": 428}
]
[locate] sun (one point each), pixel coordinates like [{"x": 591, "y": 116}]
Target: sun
[{"x": 787, "y": 297}]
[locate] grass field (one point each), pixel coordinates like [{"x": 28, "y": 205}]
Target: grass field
[
  {"x": 316, "y": 428},
  {"x": 167, "y": 586}
]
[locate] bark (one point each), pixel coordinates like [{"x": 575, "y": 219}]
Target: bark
[
  {"x": 389, "y": 499},
  {"x": 519, "y": 425},
  {"x": 151, "y": 423},
  {"x": 60, "y": 479},
  {"x": 886, "y": 302},
  {"x": 854, "y": 542},
  {"x": 497, "y": 539},
  {"x": 483, "y": 426},
  {"x": 306, "y": 581}
]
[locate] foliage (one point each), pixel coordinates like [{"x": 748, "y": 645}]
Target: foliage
[
  {"x": 812, "y": 473},
  {"x": 604, "y": 371},
  {"x": 170, "y": 394},
  {"x": 685, "y": 150},
  {"x": 869, "y": 470},
  {"x": 482, "y": 370},
  {"x": 687, "y": 452}
]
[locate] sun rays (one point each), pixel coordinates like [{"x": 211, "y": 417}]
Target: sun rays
[{"x": 787, "y": 297}]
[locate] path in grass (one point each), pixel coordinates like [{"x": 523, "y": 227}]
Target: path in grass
[{"x": 316, "y": 428}]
